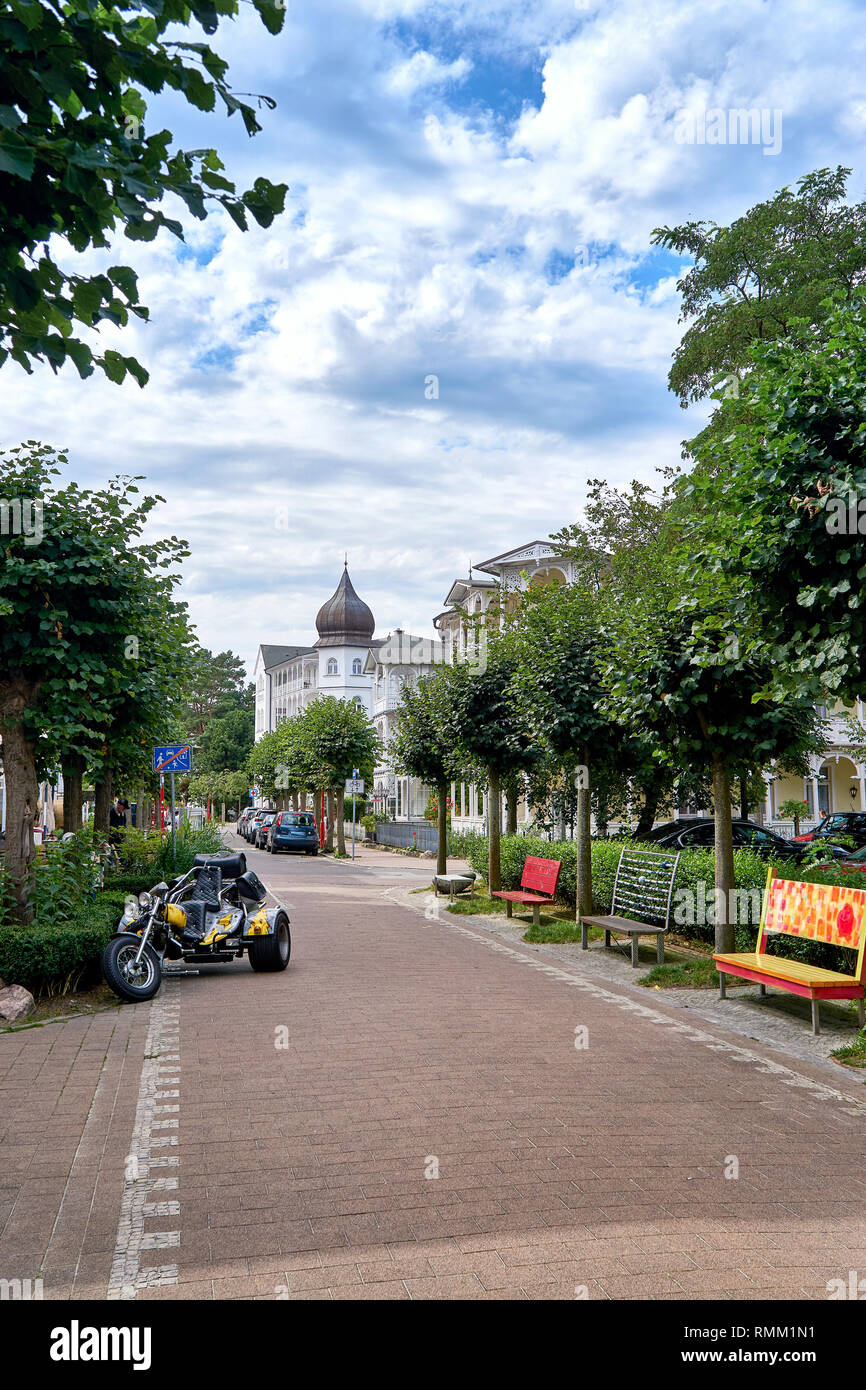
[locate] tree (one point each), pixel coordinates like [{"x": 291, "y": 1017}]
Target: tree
[
  {"x": 556, "y": 642},
  {"x": 794, "y": 810},
  {"x": 334, "y": 737},
  {"x": 682, "y": 672},
  {"x": 71, "y": 586},
  {"x": 227, "y": 741},
  {"x": 781, "y": 260},
  {"x": 217, "y": 688},
  {"x": 486, "y": 729},
  {"x": 421, "y": 748},
  {"x": 75, "y": 162},
  {"x": 782, "y": 511}
]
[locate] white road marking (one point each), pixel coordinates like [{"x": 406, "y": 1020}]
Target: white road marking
[{"x": 140, "y": 1183}]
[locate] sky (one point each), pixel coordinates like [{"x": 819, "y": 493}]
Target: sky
[{"x": 473, "y": 190}]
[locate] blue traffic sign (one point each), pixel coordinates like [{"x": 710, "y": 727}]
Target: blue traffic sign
[{"x": 174, "y": 757}]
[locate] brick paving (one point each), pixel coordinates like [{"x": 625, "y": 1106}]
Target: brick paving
[{"x": 414, "y": 1047}]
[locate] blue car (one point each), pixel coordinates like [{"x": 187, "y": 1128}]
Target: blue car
[{"x": 292, "y": 830}]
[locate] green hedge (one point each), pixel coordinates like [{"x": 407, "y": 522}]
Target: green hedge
[
  {"x": 56, "y": 959},
  {"x": 696, "y": 867}
]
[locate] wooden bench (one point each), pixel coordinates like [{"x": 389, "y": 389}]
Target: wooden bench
[
  {"x": 813, "y": 912},
  {"x": 539, "y": 876},
  {"x": 642, "y": 889}
]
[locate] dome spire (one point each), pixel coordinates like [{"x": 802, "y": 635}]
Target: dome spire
[{"x": 345, "y": 620}]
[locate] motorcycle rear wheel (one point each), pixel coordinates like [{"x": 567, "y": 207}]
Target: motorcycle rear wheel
[
  {"x": 134, "y": 983},
  {"x": 273, "y": 952}
]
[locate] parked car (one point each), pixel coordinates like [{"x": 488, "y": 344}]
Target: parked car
[
  {"x": 252, "y": 824},
  {"x": 294, "y": 831},
  {"x": 841, "y": 859},
  {"x": 243, "y": 818},
  {"x": 851, "y": 823},
  {"x": 701, "y": 832},
  {"x": 261, "y": 828}
]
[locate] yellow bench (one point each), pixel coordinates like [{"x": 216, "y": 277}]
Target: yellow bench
[{"x": 820, "y": 912}]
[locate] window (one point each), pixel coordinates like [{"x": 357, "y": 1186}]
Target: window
[
  {"x": 333, "y": 669},
  {"x": 356, "y": 666}
]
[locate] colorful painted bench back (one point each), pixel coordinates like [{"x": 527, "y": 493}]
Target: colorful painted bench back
[{"x": 817, "y": 912}]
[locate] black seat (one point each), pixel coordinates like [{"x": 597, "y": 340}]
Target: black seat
[
  {"x": 230, "y": 864},
  {"x": 195, "y": 921}
]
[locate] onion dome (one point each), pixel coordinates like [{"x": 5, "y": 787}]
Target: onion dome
[{"x": 345, "y": 620}]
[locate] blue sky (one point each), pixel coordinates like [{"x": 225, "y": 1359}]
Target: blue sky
[{"x": 473, "y": 192}]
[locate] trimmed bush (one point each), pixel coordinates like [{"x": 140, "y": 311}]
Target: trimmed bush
[{"x": 59, "y": 958}]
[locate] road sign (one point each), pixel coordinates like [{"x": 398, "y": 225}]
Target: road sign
[
  {"x": 354, "y": 785},
  {"x": 173, "y": 757}
]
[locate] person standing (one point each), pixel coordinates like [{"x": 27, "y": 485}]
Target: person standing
[{"x": 117, "y": 820}]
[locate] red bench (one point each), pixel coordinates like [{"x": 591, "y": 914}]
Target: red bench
[{"x": 539, "y": 876}]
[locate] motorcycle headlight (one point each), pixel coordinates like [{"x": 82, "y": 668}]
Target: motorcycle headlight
[{"x": 144, "y": 900}]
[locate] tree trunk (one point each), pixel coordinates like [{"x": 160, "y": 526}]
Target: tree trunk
[
  {"x": 329, "y": 837},
  {"x": 144, "y": 813},
  {"x": 584, "y": 842},
  {"x": 442, "y": 827},
  {"x": 724, "y": 843},
  {"x": 341, "y": 816},
  {"x": 512, "y": 791},
  {"x": 647, "y": 816},
  {"x": 294, "y": 801},
  {"x": 302, "y": 801},
  {"x": 22, "y": 793},
  {"x": 73, "y": 779},
  {"x": 222, "y": 803},
  {"x": 494, "y": 870},
  {"x": 102, "y": 804}
]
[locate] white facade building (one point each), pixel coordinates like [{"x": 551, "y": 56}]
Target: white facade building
[
  {"x": 348, "y": 662},
  {"x": 496, "y": 581}
]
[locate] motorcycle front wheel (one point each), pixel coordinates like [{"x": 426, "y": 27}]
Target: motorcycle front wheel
[{"x": 135, "y": 982}]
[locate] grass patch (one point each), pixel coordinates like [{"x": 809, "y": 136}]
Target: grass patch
[
  {"x": 553, "y": 930},
  {"x": 700, "y": 973},
  {"x": 697, "y": 973},
  {"x": 475, "y": 905},
  {"x": 853, "y": 1054}
]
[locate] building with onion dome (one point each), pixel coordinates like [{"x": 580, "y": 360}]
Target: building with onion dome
[
  {"x": 348, "y": 662},
  {"x": 287, "y": 679}
]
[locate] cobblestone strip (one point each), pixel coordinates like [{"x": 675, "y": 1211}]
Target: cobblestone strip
[
  {"x": 817, "y": 1089},
  {"x": 158, "y": 1088}
]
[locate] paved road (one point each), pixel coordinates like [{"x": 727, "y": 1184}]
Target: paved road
[{"x": 415, "y": 1109}]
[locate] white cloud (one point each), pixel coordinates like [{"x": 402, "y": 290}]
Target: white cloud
[{"x": 433, "y": 229}]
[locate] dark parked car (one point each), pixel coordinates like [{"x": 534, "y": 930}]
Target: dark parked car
[
  {"x": 691, "y": 834},
  {"x": 851, "y": 823},
  {"x": 292, "y": 830}
]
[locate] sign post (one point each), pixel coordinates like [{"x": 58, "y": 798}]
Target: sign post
[
  {"x": 172, "y": 758},
  {"x": 354, "y": 785}
]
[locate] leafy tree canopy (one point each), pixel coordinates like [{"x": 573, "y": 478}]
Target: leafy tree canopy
[
  {"x": 779, "y": 261},
  {"x": 77, "y": 162}
]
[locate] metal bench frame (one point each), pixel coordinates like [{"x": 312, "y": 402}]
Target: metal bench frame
[{"x": 643, "y": 886}]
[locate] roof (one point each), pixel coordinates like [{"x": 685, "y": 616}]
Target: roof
[
  {"x": 345, "y": 620},
  {"x": 520, "y": 552},
  {"x": 277, "y": 656}
]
